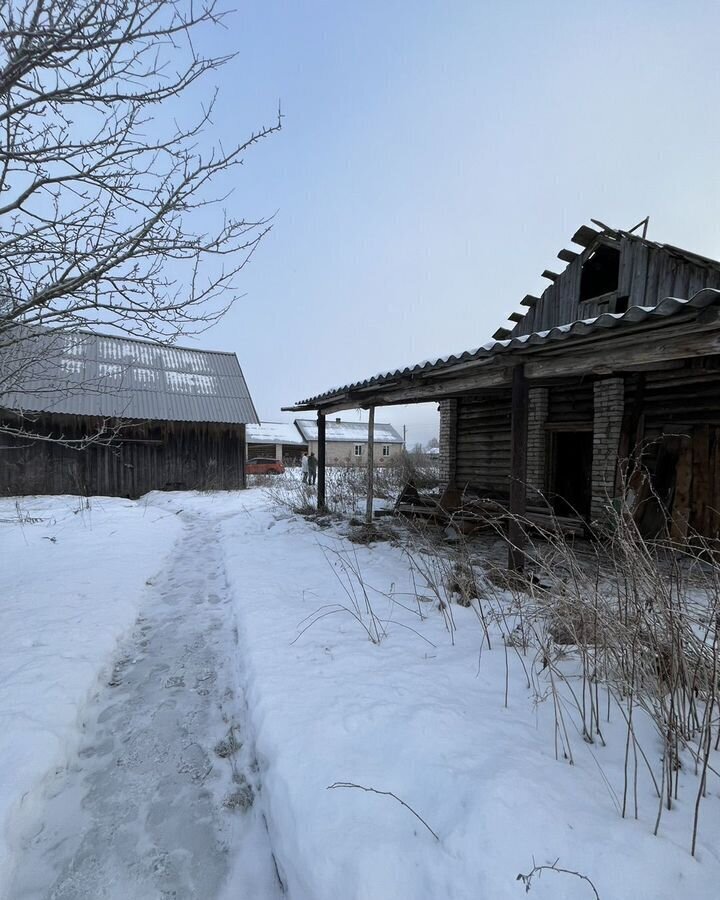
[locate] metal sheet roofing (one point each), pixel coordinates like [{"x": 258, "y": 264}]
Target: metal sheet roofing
[
  {"x": 348, "y": 432},
  {"x": 86, "y": 374},
  {"x": 274, "y": 433},
  {"x": 635, "y": 316}
]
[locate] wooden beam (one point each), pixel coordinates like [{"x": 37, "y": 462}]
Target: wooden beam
[
  {"x": 427, "y": 393},
  {"x": 529, "y": 300},
  {"x": 516, "y": 317},
  {"x": 552, "y": 276},
  {"x": 637, "y": 350},
  {"x": 370, "y": 466},
  {"x": 568, "y": 256},
  {"x": 517, "y": 537},
  {"x": 502, "y": 334},
  {"x": 584, "y": 236},
  {"x": 321, "y": 463}
]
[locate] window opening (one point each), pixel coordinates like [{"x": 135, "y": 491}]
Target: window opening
[{"x": 600, "y": 273}]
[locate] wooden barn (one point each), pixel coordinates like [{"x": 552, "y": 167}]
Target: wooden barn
[
  {"x": 92, "y": 414},
  {"x": 618, "y": 358}
]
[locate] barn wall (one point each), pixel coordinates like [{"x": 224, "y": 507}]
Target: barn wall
[
  {"x": 140, "y": 458},
  {"x": 483, "y": 444}
]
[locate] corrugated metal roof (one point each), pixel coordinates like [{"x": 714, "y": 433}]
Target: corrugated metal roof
[
  {"x": 274, "y": 433},
  {"x": 86, "y": 374},
  {"x": 636, "y": 315},
  {"x": 349, "y": 432}
]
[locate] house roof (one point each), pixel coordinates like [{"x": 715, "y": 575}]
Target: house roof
[
  {"x": 667, "y": 310},
  {"x": 586, "y": 237},
  {"x": 591, "y": 238},
  {"x": 350, "y": 432},
  {"x": 274, "y": 433},
  {"x": 88, "y": 374}
]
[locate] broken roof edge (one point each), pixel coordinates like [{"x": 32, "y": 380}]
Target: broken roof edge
[{"x": 635, "y": 315}]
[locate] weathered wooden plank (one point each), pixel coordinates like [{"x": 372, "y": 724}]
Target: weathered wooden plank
[
  {"x": 584, "y": 236},
  {"x": 551, "y": 276},
  {"x": 700, "y": 497},
  {"x": 639, "y": 274},
  {"x": 529, "y": 300},
  {"x": 568, "y": 255},
  {"x": 516, "y": 317},
  {"x": 651, "y": 348},
  {"x": 321, "y": 503},
  {"x": 652, "y": 278},
  {"x": 680, "y": 519},
  {"x": 518, "y": 476},
  {"x": 626, "y": 267},
  {"x": 502, "y": 334},
  {"x": 370, "y": 466}
]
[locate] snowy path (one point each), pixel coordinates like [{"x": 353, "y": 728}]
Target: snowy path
[{"x": 159, "y": 802}]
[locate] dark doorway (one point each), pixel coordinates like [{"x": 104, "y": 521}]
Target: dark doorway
[{"x": 572, "y": 472}]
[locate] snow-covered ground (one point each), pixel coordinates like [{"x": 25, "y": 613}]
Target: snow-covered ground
[
  {"x": 256, "y": 606},
  {"x": 74, "y": 578}
]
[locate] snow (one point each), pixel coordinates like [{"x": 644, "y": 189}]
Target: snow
[
  {"x": 421, "y": 714},
  {"x": 428, "y": 723},
  {"x": 274, "y": 433},
  {"x": 164, "y": 783},
  {"x": 74, "y": 577},
  {"x": 349, "y": 431}
]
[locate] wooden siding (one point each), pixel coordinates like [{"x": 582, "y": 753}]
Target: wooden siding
[
  {"x": 141, "y": 458},
  {"x": 676, "y": 415},
  {"x": 483, "y": 444},
  {"x": 648, "y": 273}
]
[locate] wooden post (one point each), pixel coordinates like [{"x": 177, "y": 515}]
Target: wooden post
[
  {"x": 321, "y": 463},
  {"x": 370, "y": 466},
  {"x": 518, "y": 470}
]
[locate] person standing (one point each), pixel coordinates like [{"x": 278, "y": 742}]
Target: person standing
[
  {"x": 304, "y": 468},
  {"x": 312, "y": 468}
]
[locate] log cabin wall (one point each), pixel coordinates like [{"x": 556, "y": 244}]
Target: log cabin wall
[
  {"x": 483, "y": 444},
  {"x": 141, "y": 458}
]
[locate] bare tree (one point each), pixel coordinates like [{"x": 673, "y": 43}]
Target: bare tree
[{"x": 101, "y": 186}]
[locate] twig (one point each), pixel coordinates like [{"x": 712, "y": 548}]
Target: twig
[
  {"x": 361, "y": 787},
  {"x": 537, "y": 870}
]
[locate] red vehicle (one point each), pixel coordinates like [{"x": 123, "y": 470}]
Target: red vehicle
[{"x": 263, "y": 466}]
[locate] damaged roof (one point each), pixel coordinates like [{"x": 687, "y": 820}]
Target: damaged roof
[
  {"x": 635, "y": 316},
  {"x": 88, "y": 374}
]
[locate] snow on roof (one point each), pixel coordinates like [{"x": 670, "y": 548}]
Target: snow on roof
[
  {"x": 274, "y": 433},
  {"x": 87, "y": 374},
  {"x": 348, "y": 431}
]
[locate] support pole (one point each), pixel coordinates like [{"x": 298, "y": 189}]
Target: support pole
[
  {"x": 321, "y": 463},
  {"x": 518, "y": 470},
  {"x": 370, "y": 466}
]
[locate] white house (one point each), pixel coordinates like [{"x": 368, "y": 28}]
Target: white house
[{"x": 346, "y": 443}]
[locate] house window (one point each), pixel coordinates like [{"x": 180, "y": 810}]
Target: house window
[
  {"x": 358, "y": 449},
  {"x": 600, "y": 273},
  {"x": 386, "y": 450}
]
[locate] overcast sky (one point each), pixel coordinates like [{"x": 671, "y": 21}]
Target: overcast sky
[{"x": 436, "y": 156}]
